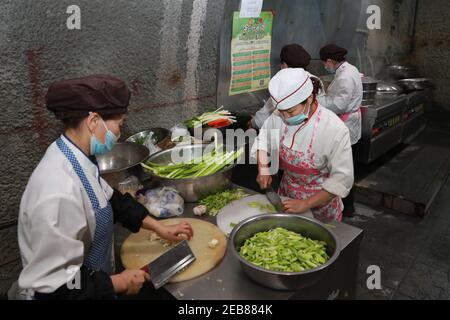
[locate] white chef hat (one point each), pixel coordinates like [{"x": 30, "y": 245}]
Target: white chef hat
[{"x": 289, "y": 87}]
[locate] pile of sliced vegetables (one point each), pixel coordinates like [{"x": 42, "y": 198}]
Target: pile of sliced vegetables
[
  {"x": 263, "y": 207},
  {"x": 208, "y": 164},
  {"x": 217, "y": 201},
  {"x": 283, "y": 250},
  {"x": 213, "y": 119}
]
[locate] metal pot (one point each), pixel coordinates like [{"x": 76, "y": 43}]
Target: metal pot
[
  {"x": 192, "y": 189},
  {"x": 121, "y": 162},
  {"x": 398, "y": 71},
  {"x": 415, "y": 84},
  {"x": 369, "y": 90},
  {"x": 283, "y": 280}
]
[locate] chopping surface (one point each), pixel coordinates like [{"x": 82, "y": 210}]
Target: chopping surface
[{"x": 142, "y": 248}]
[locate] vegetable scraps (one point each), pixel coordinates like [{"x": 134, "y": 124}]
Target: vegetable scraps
[
  {"x": 206, "y": 165},
  {"x": 217, "y": 201},
  {"x": 214, "y": 119},
  {"x": 283, "y": 250}
]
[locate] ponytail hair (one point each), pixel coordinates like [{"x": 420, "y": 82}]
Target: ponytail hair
[{"x": 317, "y": 87}]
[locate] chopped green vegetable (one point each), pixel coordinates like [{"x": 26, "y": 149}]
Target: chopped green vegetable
[
  {"x": 217, "y": 201},
  {"x": 206, "y": 165},
  {"x": 283, "y": 250},
  {"x": 263, "y": 207},
  {"x": 232, "y": 224}
]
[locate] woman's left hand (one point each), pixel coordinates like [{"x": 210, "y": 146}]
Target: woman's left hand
[
  {"x": 295, "y": 206},
  {"x": 177, "y": 232}
]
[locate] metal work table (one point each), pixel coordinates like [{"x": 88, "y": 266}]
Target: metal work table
[{"x": 227, "y": 281}]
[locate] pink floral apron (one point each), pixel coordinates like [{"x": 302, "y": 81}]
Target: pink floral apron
[{"x": 302, "y": 179}]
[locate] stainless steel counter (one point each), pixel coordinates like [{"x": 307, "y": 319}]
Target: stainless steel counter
[{"x": 228, "y": 282}]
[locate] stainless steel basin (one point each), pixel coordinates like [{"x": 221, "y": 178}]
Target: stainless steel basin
[
  {"x": 192, "y": 189},
  {"x": 284, "y": 280},
  {"x": 123, "y": 161}
]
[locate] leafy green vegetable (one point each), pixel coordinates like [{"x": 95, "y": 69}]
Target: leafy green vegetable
[
  {"x": 263, "y": 207},
  {"x": 232, "y": 224},
  {"x": 206, "y": 165},
  {"x": 217, "y": 201},
  {"x": 283, "y": 250}
]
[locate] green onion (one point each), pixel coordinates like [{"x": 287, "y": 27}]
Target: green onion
[
  {"x": 206, "y": 165},
  {"x": 207, "y": 117}
]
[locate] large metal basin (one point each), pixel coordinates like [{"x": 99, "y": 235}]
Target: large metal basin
[
  {"x": 284, "y": 280},
  {"x": 192, "y": 189},
  {"x": 121, "y": 162}
]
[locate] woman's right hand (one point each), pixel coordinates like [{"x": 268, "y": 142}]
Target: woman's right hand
[
  {"x": 129, "y": 281},
  {"x": 264, "y": 181}
]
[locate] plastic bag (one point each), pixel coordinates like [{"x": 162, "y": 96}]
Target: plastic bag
[
  {"x": 148, "y": 142},
  {"x": 162, "y": 202},
  {"x": 130, "y": 185},
  {"x": 180, "y": 133}
]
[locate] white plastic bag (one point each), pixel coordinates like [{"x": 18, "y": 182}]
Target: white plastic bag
[{"x": 162, "y": 202}]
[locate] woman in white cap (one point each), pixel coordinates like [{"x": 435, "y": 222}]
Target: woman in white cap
[
  {"x": 312, "y": 144},
  {"x": 67, "y": 212},
  {"x": 344, "y": 96}
]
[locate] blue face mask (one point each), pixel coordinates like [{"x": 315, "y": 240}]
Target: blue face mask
[
  {"x": 330, "y": 70},
  {"x": 298, "y": 119},
  {"x": 98, "y": 148}
]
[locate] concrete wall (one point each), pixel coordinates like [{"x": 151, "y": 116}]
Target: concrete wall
[
  {"x": 431, "y": 51},
  {"x": 166, "y": 50}
]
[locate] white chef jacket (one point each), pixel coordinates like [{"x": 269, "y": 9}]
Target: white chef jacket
[
  {"x": 57, "y": 220},
  {"x": 269, "y": 107},
  {"x": 331, "y": 146},
  {"x": 344, "y": 95}
]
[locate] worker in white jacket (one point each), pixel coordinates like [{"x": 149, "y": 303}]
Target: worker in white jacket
[
  {"x": 312, "y": 145},
  {"x": 291, "y": 56},
  {"x": 343, "y": 97},
  {"x": 67, "y": 212}
]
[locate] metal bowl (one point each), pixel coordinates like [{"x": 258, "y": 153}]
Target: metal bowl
[
  {"x": 161, "y": 137},
  {"x": 391, "y": 89},
  {"x": 415, "y": 84},
  {"x": 192, "y": 189},
  {"x": 121, "y": 162},
  {"x": 398, "y": 71},
  {"x": 276, "y": 279}
]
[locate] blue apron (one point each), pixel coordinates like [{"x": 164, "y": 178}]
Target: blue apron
[{"x": 99, "y": 256}]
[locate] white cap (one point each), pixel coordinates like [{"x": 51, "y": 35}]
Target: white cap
[{"x": 290, "y": 87}]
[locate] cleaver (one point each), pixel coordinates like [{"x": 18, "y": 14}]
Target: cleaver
[
  {"x": 166, "y": 266},
  {"x": 274, "y": 198}
]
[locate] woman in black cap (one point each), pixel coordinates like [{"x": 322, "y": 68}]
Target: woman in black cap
[
  {"x": 291, "y": 56},
  {"x": 343, "y": 97},
  {"x": 67, "y": 211}
]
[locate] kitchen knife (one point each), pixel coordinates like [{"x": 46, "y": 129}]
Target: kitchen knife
[{"x": 274, "y": 199}]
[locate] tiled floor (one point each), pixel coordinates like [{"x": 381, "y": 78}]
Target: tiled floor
[{"x": 412, "y": 253}]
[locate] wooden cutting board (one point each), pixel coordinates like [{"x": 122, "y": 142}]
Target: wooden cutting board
[{"x": 138, "y": 249}]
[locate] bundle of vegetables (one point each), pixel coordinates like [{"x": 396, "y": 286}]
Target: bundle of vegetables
[
  {"x": 214, "y": 119},
  {"x": 283, "y": 250},
  {"x": 217, "y": 201},
  {"x": 206, "y": 165}
]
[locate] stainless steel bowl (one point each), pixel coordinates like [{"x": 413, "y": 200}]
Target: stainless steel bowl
[
  {"x": 388, "y": 89},
  {"x": 415, "y": 84},
  {"x": 192, "y": 189},
  {"x": 161, "y": 137},
  {"x": 284, "y": 280},
  {"x": 398, "y": 71},
  {"x": 123, "y": 161}
]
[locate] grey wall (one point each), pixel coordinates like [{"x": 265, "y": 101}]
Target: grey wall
[
  {"x": 166, "y": 50},
  {"x": 432, "y": 47}
]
